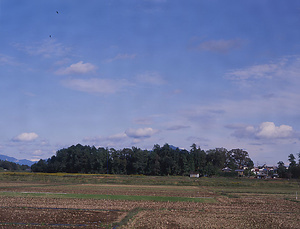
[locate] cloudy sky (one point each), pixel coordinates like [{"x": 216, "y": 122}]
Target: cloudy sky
[{"x": 123, "y": 73}]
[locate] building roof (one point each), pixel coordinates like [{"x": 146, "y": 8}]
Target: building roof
[{"x": 239, "y": 170}]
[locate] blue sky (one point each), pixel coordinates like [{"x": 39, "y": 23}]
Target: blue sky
[{"x": 116, "y": 73}]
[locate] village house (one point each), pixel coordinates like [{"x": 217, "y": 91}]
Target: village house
[
  {"x": 240, "y": 172},
  {"x": 263, "y": 172}
]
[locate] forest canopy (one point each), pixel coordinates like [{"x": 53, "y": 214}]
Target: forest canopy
[
  {"x": 12, "y": 166},
  {"x": 165, "y": 160}
]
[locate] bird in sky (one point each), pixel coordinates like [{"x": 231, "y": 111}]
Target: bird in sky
[
  {"x": 50, "y": 36},
  {"x": 57, "y": 12}
]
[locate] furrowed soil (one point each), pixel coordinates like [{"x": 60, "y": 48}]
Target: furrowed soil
[{"x": 235, "y": 204}]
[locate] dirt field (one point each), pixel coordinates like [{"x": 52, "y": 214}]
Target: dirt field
[{"x": 34, "y": 205}]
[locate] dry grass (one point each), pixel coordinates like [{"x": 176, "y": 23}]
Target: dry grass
[{"x": 235, "y": 207}]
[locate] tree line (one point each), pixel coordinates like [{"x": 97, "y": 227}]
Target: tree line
[
  {"x": 12, "y": 166},
  {"x": 160, "y": 161},
  {"x": 293, "y": 170}
]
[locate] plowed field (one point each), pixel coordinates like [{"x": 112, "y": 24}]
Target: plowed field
[{"x": 52, "y": 205}]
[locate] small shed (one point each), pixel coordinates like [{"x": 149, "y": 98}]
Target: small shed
[
  {"x": 194, "y": 174},
  {"x": 240, "y": 172}
]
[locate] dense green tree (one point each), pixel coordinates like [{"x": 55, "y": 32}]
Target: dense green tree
[
  {"x": 165, "y": 160},
  {"x": 217, "y": 157},
  {"x": 183, "y": 163},
  {"x": 167, "y": 163},
  {"x": 119, "y": 162},
  {"x": 139, "y": 160},
  {"x": 176, "y": 170},
  {"x": 199, "y": 158},
  {"x": 229, "y": 160},
  {"x": 281, "y": 170},
  {"x": 292, "y": 161},
  {"x": 294, "y": 168},
  {"x": 241, "y": 158},
  {"x": 153, "y": 165},
  {"x": 40, "y": 166},
  {"x": 210, "y": 169}
]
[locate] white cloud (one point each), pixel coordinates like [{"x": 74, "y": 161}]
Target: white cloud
[
  {"x": 254, "y": 72},
  {"x": 25, "y": 137},
  {"x": 269, "y": 130},
  {"x": 116, "y": 138},
  {"x": 78, "y": 68},
  {"x": 95, "y": 85},
  {"x": 140, "y": 133},
  {"x": 122, "y": 57},
  {"x": 266, "y": 130},
  {"x": 126, "y": 139},
  {"x": 62, "y": 62},
  {"x": 284, "y": 71},
  {"x": 205, "y": 116},
  {"x": 153, "y": 78},
  {"x": 47, "y": 48},
  {"x": 7, "y": 60},
  {"x": 35, "y": 159}
]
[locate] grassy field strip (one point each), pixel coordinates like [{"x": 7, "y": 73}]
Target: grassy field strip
[
  {"x": 274, "y": 191},
  {"x": 140, "y": 186},
  {"x": 126, "y": 219},
  {"x": 22, "y": 185},
  {"x": 58, "y": 208},
  {"x": 132, "y": 187},
  {"x": 145, "y": 180},
  {"x": 111, "y": 197}
]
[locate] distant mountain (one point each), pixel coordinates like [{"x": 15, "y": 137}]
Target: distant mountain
[
  {"x": 20, "y": 162},
  {"x": 173, "y": 147}
]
